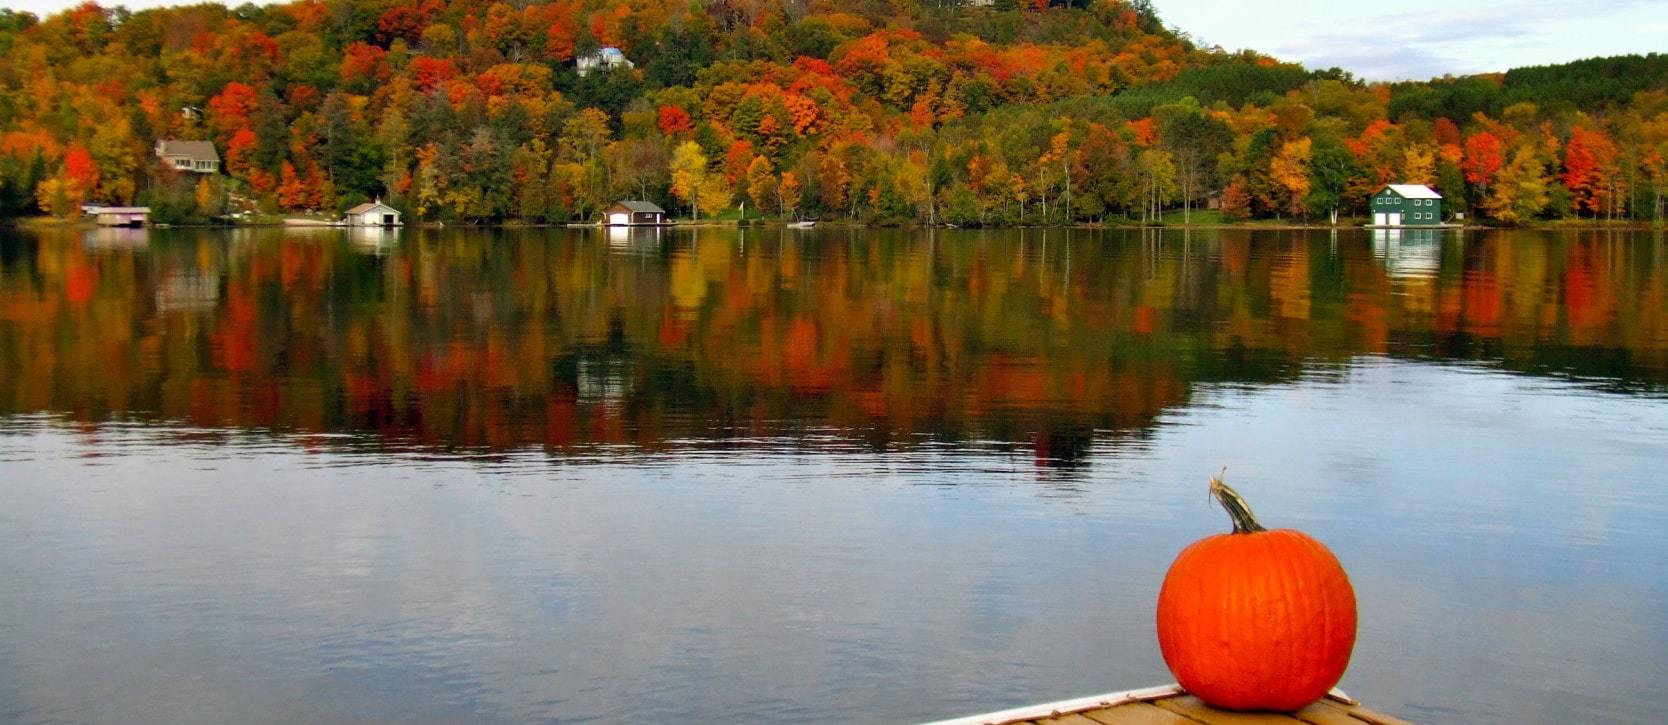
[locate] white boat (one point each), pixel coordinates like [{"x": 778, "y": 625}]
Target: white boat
[{"x": 802, "y": 224}]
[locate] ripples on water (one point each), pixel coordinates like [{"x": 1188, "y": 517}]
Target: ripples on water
[{"x": 517, "y": 477}]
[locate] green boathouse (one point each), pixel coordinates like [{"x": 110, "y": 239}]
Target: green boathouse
[{"x": 1407, "y": 205}]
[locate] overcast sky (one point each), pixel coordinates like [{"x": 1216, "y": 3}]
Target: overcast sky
[
  {"x": 1393, "y": 40},
  {"x": 1421, "y": 39}
]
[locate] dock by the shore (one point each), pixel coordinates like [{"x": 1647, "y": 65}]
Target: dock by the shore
[{"x": 1171, "y": 705}]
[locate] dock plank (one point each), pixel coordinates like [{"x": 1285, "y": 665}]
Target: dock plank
[
  {"x": 1362, "y": 714},
  {"x": 1067, "y": 720},
  {"x": 1169, "y": 705},
  {"x": 1137, "y": 713},
  {"x": 1192, "y": 707},
  {"x": 1326, "y": 713}
]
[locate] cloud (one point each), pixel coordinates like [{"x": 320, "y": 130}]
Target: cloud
[{"x": 1421, "y": 44}]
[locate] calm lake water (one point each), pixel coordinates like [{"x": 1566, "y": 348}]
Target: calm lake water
[{"x": 831, "y": 476}]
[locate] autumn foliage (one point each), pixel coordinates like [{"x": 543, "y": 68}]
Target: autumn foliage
[{"x": 1045, "y": 113}]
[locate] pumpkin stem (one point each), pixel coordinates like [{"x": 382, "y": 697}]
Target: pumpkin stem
[{"x": 1238, "y": 509}]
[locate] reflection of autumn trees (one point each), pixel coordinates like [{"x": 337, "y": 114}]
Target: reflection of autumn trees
[{"x": 504, "y": 339}]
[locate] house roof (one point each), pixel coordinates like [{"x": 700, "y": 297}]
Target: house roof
[
  {"x": 197, "y": 150},
  {"x": 1414, "y": 191},
  {"x": 369, "y": 206},
  {"x": 641, "y": 207},
  {"x": 122, "y": 210}
]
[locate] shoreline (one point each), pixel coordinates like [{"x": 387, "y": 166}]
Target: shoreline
[{"x": 1560, "y": 225}]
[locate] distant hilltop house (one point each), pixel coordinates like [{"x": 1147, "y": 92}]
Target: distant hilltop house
[
  {"x": 194, "y": 156},
  {"x": 634, "y": 214},
  {"x": 1407, "y": 205},
  {"x": 373, "y": 214},
  {"x": 603, "y": 59}
]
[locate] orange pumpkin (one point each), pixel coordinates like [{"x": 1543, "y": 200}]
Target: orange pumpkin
[{"x": 1256, "y": 619}]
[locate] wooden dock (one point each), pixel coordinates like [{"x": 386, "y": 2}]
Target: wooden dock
[{"x": 1171, "y": 705}]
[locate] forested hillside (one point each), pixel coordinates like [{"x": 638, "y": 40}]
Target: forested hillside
[{"x": 907, "y": 112}]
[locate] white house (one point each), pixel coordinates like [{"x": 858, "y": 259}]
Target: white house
[
  {"x": 605, "y": 59},
  {"x": 373, "y": 214}
]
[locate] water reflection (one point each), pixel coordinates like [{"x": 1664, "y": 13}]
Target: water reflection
[
  {"x": 808, "y": 475},
  {"x": 563, "y": 339}
]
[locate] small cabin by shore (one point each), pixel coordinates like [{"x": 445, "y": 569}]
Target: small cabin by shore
[
  {"x": 634, "y": 214},
  {"x": 373, "y": 214},
  {"x": 1407, "y": 205},
  {"x": 121, "y": 216}
]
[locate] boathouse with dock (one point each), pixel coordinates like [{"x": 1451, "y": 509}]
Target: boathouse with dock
[
  {"x": 373, "y": 214},
  {"x": 119, "y": 216},
  {"x": 634, "y": 214},
  {"x": 1406, "y": 205}
]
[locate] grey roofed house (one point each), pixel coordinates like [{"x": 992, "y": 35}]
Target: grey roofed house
[{"x": 195, "y": 156}]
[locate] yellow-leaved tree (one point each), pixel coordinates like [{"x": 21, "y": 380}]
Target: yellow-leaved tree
[
  {"x": 690, "y": 176},
  {"x": 1520, "y": 190}
]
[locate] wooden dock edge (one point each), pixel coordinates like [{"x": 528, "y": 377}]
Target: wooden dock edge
[{"x": 1096, "y": 702}]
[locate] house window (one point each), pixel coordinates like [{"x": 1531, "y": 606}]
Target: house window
[{"x": 182, "y": 164}]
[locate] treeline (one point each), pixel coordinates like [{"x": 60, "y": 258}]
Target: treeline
[{"x": 887, "y": 112}]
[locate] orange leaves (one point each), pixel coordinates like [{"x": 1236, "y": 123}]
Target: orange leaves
[
  {"x": 238, "y": 150},
  {"x": 1370, "y": 136},
  {"x": 28, "y": 143},
  {"x": 865, "y": 56},
  {"x": 515, "y": 79},
  {"x": 1589, "y": 167},
  {"x": 803, "y": 112},
  {"x": 297, "y": 190},
  {"x": 1447, "y": 134},
  {"x": 736, "y": 160},
  {"x": 1002, "y": 63},
  {"x": 460, "y": 93},
  {"x": 558, "y": 42},
  {"x": 363, "y": 63},
  {"x": 231, "y": 108},
  {"x": 406, "y": 22},
  {"x": 80, "y": 169},
  {"x": 607, "y": 25},
  {"x": 309, "y": 14},
  {"x": 1236, "y": 199},
  {"x": 674, "y": 120},
  {"x": 431, "y": 72},
  {"x": 1145, "y": 132},
  {"x": 302, "y": 97},
  {"x": 1483, "y": 156}
]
